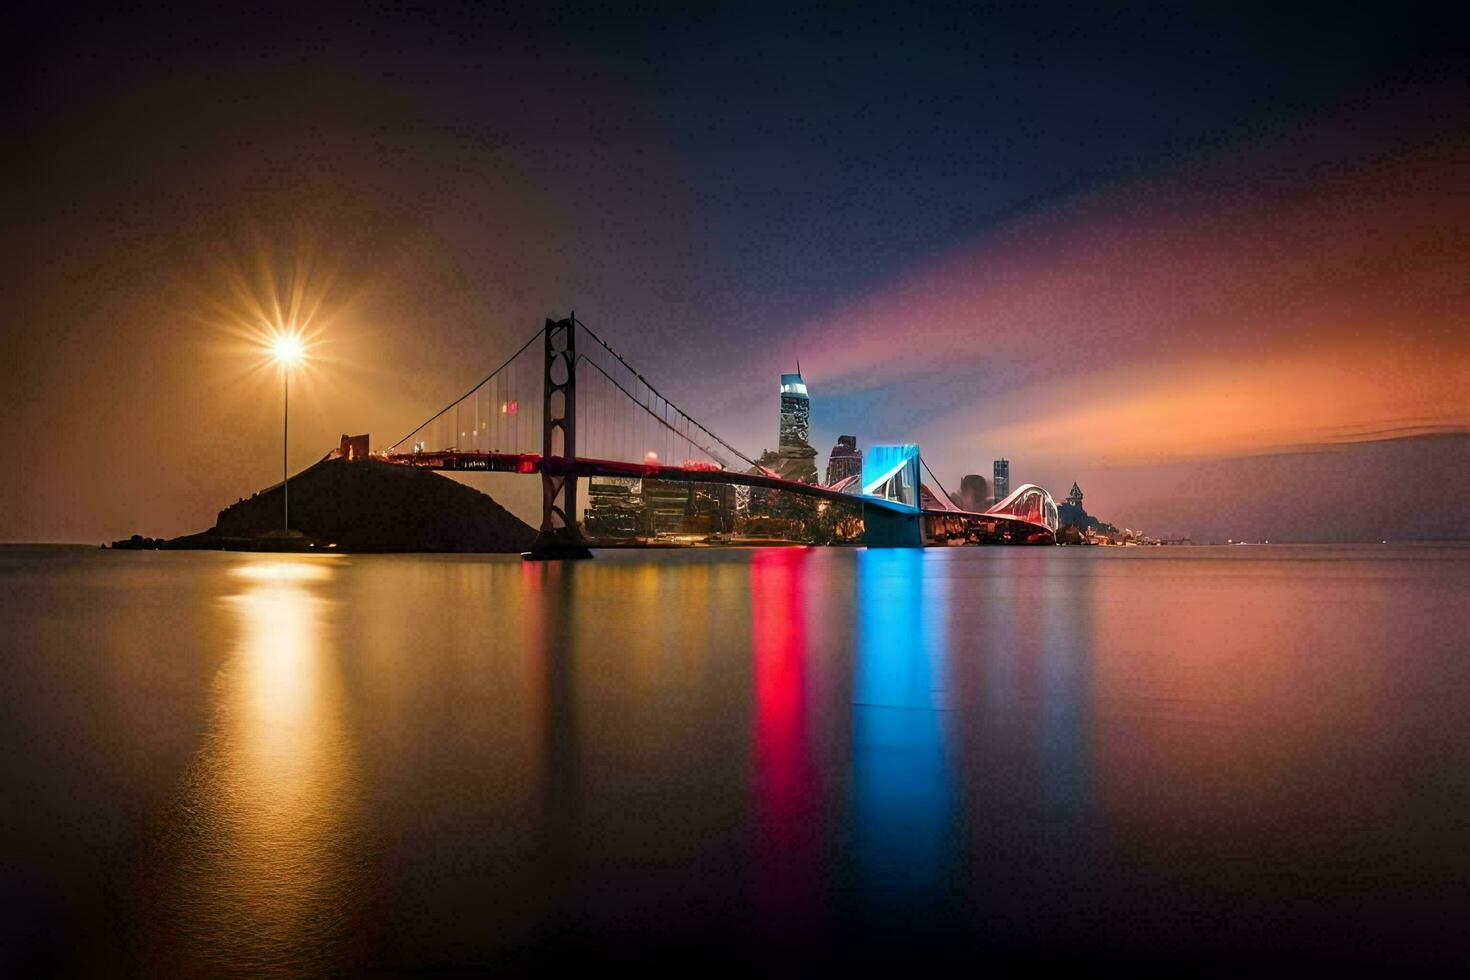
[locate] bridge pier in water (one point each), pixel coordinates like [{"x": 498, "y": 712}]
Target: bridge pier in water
[
  {"x": 885, "y": 528},
  {"x": 560, "y": 536}
]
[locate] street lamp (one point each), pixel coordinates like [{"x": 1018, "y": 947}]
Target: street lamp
[{"x": 287, "y": 352}]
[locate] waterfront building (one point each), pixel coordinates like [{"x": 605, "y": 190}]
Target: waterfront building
[
  {"x": 1001, "y": 479},
  {"x": 673, "y": 507},
  {"x": 711, "y": 508},
  {"x": 668, "y": 504},
  {"x": 845, "y": 460},
  {"x": 615, "y": 507}
]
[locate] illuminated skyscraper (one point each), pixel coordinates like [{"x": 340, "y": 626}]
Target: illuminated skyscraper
[
  {"x": 794, "y": 458},
  {"x": 796, "y": 412},
  {"x": 1001, "y": 479}
]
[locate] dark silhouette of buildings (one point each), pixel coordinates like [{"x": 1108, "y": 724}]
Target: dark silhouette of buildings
[
  {"x": 668, "y": 505},
  {"x": 615, "y": 507},
  {"x": 620, "y": 508},
  {"x": 353, "y": 447},
  {"x": 974, "y": 493},
  {"x": 845, "y": 460}
]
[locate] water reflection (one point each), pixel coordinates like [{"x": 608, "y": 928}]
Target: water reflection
[
  {"x": 903, "y": 800},
  {"x": 1065, "y": 691},
  {"x": 832, "y": 757},
  {"x": 269, "y": 833},
  {"x": 788, "y": 810},
  {"x": 548, "y": 644}
]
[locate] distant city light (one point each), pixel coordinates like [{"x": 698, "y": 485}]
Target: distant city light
[{"x": 650, "y": 458}]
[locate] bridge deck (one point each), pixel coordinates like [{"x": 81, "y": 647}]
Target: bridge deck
[{"x": 528, "y": 463}]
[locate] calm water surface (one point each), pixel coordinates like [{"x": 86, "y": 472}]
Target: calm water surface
[{"x": 773, "y": 759}]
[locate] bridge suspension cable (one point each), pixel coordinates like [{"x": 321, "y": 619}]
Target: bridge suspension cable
[
  {"x": 500, "y": 415},
  {"x": 685, "y": 415},
  {"x": 482, "y": 382},
  {"x": 584, "y": 359},
  {"x": 925, "y": 463}
]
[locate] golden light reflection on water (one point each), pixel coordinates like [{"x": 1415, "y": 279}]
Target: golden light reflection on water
[
  {"x": 301, "y": 570},
  {"x": 270, "y": 796}
]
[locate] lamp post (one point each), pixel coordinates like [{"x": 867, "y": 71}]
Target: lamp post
[{"x": 287, "y": 351}]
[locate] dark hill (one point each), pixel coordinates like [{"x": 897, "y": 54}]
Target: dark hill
[{"x": 367, "y": 505}]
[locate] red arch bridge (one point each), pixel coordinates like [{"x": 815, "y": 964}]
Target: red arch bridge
[{"x": 570, "y": 412}]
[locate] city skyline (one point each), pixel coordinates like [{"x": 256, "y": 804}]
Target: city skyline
[{"x": 1147, "y": 279}]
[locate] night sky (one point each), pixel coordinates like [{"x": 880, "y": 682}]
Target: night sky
[{"x": 1211, "y": 264}]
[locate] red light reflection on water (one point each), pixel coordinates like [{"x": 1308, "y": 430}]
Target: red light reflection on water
[{"x": 786, "y": 786}]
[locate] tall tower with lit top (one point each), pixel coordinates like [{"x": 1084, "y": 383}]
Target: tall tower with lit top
[
  {"x": 796, "y": 412},
  {"x": 794, "y": 458}
]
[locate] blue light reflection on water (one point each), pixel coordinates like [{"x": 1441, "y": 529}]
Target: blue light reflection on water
[{"x": 902, "y": 795}]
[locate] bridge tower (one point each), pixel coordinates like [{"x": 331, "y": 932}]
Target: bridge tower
[{"x": 560, "y": 536}]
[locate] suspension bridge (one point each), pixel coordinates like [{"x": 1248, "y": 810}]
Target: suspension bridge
[{"x": 567, "y": 407}]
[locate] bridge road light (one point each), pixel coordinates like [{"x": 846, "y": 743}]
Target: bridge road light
[{"x": 287, "y": 351}]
